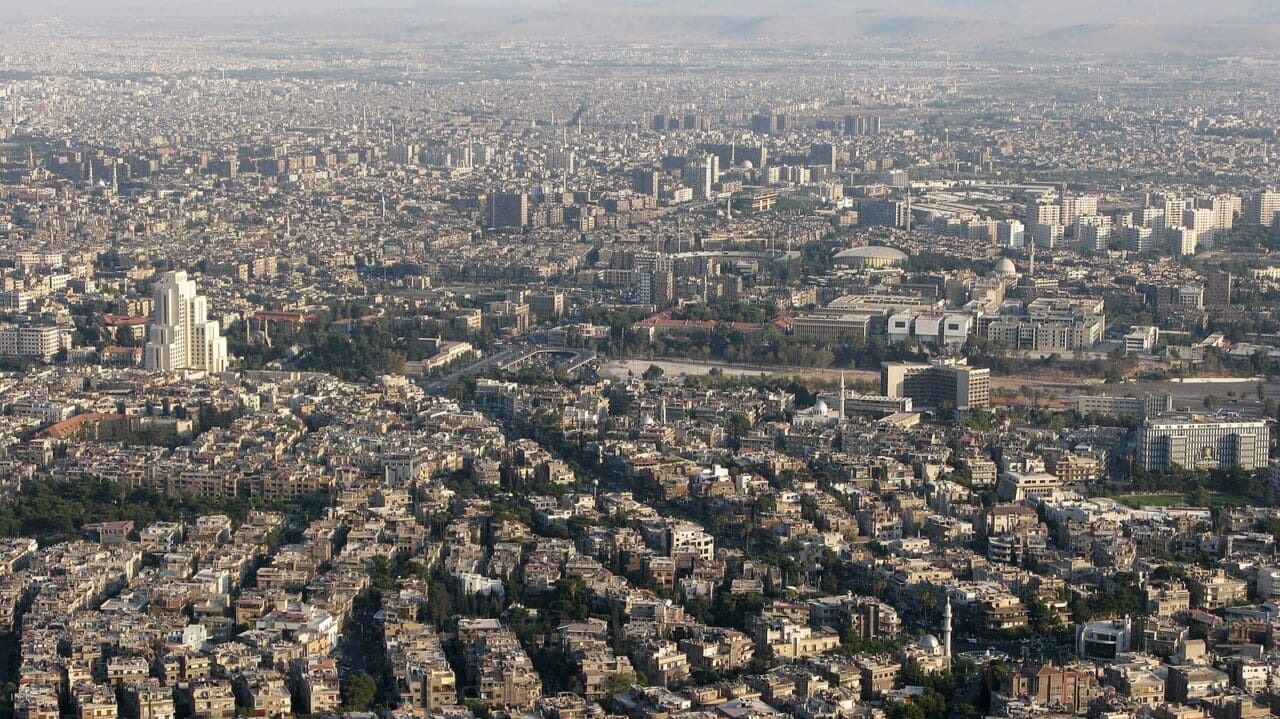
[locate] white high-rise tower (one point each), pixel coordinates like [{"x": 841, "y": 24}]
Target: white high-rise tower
[{"x": 181, "y": 335}]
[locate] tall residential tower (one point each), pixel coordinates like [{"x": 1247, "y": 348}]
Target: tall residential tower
[{"x": 182, "y": 336}]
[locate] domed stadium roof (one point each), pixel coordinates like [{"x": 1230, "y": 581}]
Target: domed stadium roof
[{"x": 870, "y": 255}]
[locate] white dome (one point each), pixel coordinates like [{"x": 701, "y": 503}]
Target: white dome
[
  {"x": 748, "y": 165},
  {"x": 821, "y": 407},
  {"x": 1006, "y": 267},
  {"x": 647, "y": 420},
  {"x": 929, "y": 641},
  {"x": 869, "y": 256}
]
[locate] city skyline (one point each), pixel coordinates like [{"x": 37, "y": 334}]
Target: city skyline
[{"x": 639, "y": 360}]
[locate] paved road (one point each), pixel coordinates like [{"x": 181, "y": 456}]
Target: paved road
[
  {"x": 1187, "y": 393},
  {"x": 494, "y": 360},
  {"x": 508, "y": 358},
  {"x": 617, "y": 369}
]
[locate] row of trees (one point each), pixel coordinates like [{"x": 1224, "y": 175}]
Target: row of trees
[
  {"x": 51, "y": 510},
  {"x": 368, "y": 351},
  {"x": 1252, "y": 487}
]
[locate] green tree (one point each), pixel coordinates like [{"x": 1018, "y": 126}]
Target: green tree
[
  {"x": 738, "y": 425},
  {"x": 381, "y": 578},
  {"x": 358, "y": 691},
  {"x": 619, "y": 682}
]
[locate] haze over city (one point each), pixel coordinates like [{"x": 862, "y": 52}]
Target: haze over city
[
  {"x": 530, "y": 359},
  {"x": 1123, "y": 27}
]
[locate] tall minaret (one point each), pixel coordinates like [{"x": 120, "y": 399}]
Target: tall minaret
[
  {"x": 908, "y": 205},
  {"x": 946, "y": 629},
  {"x": 840, "y": 401}
]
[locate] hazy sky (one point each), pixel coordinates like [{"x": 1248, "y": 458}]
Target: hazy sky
[
  {"x": 1030, "y": 12},
  {"x": 1179, "y": 24}
]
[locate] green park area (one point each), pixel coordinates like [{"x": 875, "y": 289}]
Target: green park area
[{"x": 1210, "y": 499}]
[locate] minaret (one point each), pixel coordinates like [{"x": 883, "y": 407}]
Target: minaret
[
  {"x": 908, "y": 206},
  {"x": 840, "y": 402},
  {"x": 946, "y": 629}
]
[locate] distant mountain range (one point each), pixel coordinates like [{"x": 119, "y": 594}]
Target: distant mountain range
[{"x": 1124, "y": 26}]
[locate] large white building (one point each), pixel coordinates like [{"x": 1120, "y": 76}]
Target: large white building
[
  {"x": 1106, "y": 639},
  {"x": 1201, "y": 441},
  {"x": 1148, "y": 405},
  {"x": 41, "y": 342},
  {"x": 1262, "y": 207},
  {"x": 936, "y": 383},
  {"x": 182, "y": 335},
  {"x": 700, "y": 174}
]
